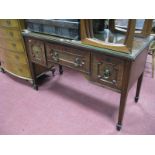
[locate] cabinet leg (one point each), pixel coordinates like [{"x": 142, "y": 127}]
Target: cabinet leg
[
  {"x": 60, "y": 70},
  {"x": 153, "y": 63},
  {"x": 53, "y": 71},
  {"x": 121, "y": 110},
  {"x": 35, "y": 86},
  {"x": 118, "y": 127},
  {"x": 139, "y": 83}
]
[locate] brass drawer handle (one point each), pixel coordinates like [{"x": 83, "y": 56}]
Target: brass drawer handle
[
  {"x": 106, "y": 74},
  {"x": 55, "y": 56},
  {"x": 78, "y": 62},
  {"x": 114, "y": 81}
]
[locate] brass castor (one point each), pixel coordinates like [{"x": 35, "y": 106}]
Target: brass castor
[
  {"x": 61, "y": 72},
  {"x": 35, "y": 87},
  {"x": 136, "y": 99},
  {"x": 118, "y": 127}
]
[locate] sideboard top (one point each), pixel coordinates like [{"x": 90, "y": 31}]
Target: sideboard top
[{"x": 138, "y": 45}]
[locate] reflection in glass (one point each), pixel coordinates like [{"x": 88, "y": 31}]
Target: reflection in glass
[
  {"x": 123, "y": 23},
  {"x": 119, "y": 35},
  {"x": 102, "y": 31}
]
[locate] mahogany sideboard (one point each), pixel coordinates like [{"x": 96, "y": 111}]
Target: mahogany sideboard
[{"x": 111, "y": 69}]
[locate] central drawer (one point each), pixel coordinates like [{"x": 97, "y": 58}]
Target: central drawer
[{"x": 69, "y": 57}]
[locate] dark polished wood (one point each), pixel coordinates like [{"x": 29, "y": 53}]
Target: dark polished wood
[
  {"x": 107, "y": 70},
  {"x": 60, "y": 69},
  {"x": 110, "y": 69},
  {"x": 67, "y": 56},
  {"x": 35, "y": 85},
  {"x": 37, "y": 52},
  {"x": 139, "y": 83},
  {"x": 124, "y": 93}
]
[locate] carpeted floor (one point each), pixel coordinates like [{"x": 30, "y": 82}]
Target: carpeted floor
[{"x": 70, "y": 104}]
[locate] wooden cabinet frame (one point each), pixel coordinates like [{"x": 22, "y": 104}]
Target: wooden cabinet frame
[{"x": 87, "y": 35}]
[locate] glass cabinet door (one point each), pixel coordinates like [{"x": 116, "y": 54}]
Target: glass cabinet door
[{"x": 114, "y": 34}]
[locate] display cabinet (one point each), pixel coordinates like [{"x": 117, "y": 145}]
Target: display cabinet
[
  {"x": 118, "y": 35},
  {"x": 115, "y": 64},
  {"x": 65, "y": 28}
]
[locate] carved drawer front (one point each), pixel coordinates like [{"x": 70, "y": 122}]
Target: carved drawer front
[
  {"x": 37, "y": 51},
  {"x": 66, "y": 56},
  {"x": 15, "y": 45},
  {"x": 9, "y": 34},
  {"x": 11, "y": 23},
  {"x": 107, "y": 70}
]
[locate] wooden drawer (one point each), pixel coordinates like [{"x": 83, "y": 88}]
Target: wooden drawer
[
  {"x": 15, "y": 45},
  {"x": 107, "y": 70},
  {"x": 19, "y": 70},
  {"x": 14, "y": 57},
  {"x": 69, "y": 57},
  {"x": 11, "y": 23},
  {"x": 9, "y": 34},
  {"x": 36, "y": 51}
]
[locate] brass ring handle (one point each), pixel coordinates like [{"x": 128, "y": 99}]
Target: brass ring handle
[
  {"x": 114, "y": 81},
  {"x": 106, "y": 74},
  {"x": 78, "y": 62},
  {"x": 55, "y": 56}
]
